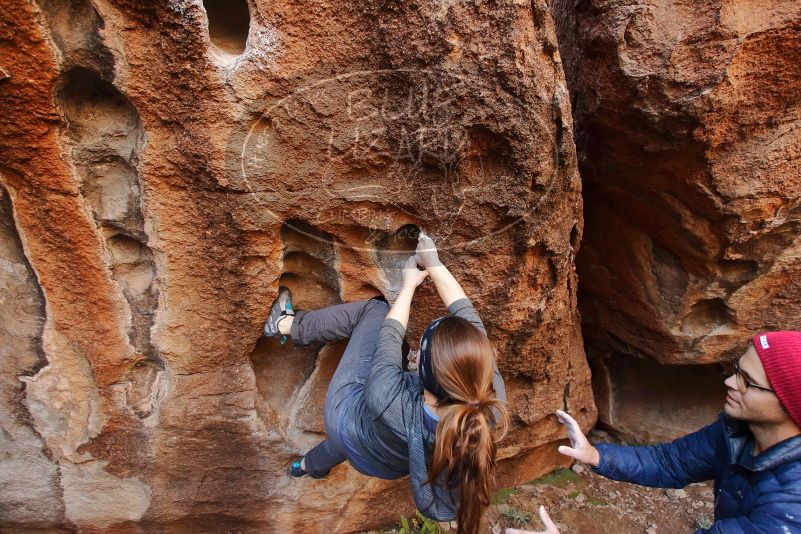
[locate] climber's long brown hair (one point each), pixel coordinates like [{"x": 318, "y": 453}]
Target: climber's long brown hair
[{"x": 462, "y": 359}]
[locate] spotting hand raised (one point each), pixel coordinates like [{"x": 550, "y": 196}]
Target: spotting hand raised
[{"x": 580, "y": 449}]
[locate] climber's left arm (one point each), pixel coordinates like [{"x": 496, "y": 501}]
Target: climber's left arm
[
  {"x": 412, "y": 277},
  {"x": 387, "y": 382}
]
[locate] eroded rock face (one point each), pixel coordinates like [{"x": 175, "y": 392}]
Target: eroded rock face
[
  {"x": 29, "y": 478},
  {"x": 688, "y": 128},
  {"x": 165, "y": 166}
]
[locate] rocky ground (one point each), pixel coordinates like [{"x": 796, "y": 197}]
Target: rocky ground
[
  {"x": 580, "y": 501},
  {"x": 586, "y": 502}
]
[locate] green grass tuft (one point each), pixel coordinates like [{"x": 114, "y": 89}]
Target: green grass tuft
[
  {"x": 419, "y": 525},
  {"x": 703, "y": 522},
  {"x": 502, "y": 495},
  {"x": 559, "y": 478},
  {"x": 517, "y": 517}
]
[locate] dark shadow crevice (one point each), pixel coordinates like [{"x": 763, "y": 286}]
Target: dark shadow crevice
[{"x": 229, "y": 24}]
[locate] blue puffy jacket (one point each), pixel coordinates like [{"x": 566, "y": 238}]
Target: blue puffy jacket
[{"x": 752, "y": 493}]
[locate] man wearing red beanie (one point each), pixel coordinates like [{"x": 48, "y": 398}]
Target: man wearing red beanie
[{"x": 752, "y": 452}]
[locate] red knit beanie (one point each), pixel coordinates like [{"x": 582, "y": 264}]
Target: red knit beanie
[{"x": 780, "y": 353}]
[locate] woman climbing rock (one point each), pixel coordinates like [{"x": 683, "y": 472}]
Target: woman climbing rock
[{"x": 439, "y": 425}]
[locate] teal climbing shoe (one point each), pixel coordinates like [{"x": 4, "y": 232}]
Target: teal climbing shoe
[
  {"x": 295, "y": 470},
  {"x": 282, "y": 307}
]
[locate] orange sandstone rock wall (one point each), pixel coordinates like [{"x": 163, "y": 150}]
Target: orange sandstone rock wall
[
  {"x": 164, "y": 165},
  {"x": 688, "y": 126}
]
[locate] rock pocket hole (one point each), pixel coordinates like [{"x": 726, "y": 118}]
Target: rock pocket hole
[
  {"x": 391, "y": 252},
  {"x": 707, "y": 316},
  {"x": 229, "y": 24},
  {"x": 736, "y": 273},
  {"x": 76, "y": 26},
  {"x": 574, "y": 236},
  {"x": 148, "y": 381}
]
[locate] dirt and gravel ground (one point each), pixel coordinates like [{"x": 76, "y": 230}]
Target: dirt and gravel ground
[{"x": 582, "y": 502}]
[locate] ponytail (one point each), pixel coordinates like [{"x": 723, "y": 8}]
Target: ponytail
[{"x": 471, "y": 421}]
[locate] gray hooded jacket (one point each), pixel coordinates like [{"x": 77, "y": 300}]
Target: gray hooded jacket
[{"x": 390, "y": 429}]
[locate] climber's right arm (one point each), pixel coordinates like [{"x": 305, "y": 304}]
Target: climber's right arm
[{"x": 447, "y": 286}]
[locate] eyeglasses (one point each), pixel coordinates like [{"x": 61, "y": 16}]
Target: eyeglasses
[{"x": 743, "y": 382}]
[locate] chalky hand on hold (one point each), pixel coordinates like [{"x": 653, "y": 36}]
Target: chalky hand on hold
[{"x": 426, "y": 252}]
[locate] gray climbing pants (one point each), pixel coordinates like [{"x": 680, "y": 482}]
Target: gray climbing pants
[{"x": 359, "y": 322}]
